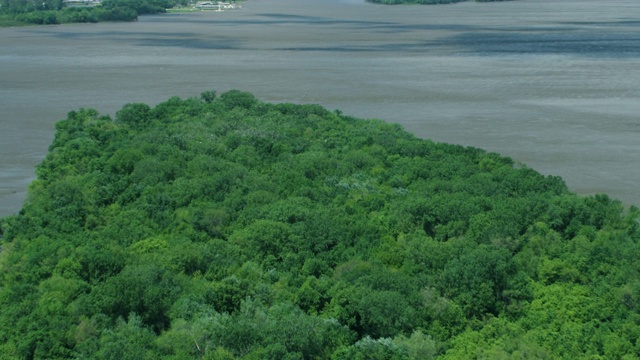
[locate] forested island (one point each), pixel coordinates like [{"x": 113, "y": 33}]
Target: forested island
[{"x": 224, "y": 227}]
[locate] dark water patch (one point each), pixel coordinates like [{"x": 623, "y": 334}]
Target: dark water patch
[
  {"x": 293, "y": 18},
  {"x": 268, "y": 19},
  {"x": 190, "y": 43},
  {"x": 409, "y": 47},
  {"x": 265, "y": 19},
  {"x": 89, "y": 35},
  {"x": 392, "y": 28},
  {"x": 155, "y": 39},
  {"x": 592, "y": 45},
  {"x": 374, "y": 26},
  {"x": 345, "y": 49},
  {"x": 385, "y": 27},
  {"x": 621, "y": 23}
]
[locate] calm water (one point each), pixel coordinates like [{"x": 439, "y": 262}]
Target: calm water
[{"x": 552, "y": 83}]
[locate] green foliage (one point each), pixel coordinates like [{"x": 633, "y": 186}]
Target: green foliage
[
  {"x": 368, "y": 348},
  {"x": 134, "y": 115},
  {"x": 222, "y": 227},
  {"x": 128, "y": 340},
  {"x": 47, "y": 12},
  {"x": 480, "y": 280}
]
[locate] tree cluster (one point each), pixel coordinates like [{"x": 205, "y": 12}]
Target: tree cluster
[
  {"x": 223, "y": 227},
  {"x": 20, "y": 12}
]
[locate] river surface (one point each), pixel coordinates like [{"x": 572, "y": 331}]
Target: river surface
[{"x": 554, "y": 84}]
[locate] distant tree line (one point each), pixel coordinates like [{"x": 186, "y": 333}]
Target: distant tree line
[{"x": 23, "y": 12}]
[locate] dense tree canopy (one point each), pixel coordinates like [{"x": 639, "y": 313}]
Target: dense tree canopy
[
  {"x": 229, "y": 228},
  {"x": 46, "y": 12}
]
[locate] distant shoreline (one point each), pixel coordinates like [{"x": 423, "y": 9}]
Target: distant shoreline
[{"x": 100, "y": 11}]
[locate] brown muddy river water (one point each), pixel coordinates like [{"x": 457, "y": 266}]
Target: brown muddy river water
[{"x": 551, "y": 83}]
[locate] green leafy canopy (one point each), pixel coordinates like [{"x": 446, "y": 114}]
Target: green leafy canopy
[{"x": 224, "y": 227}]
